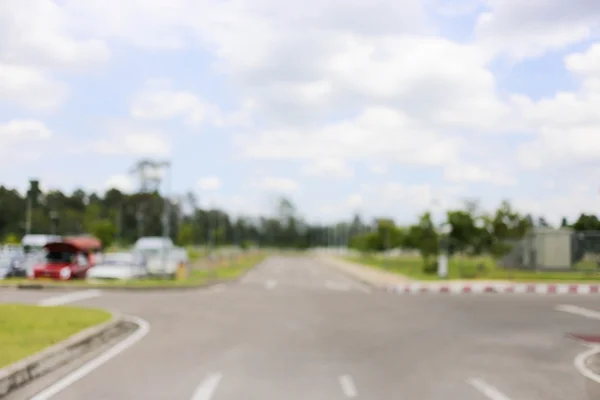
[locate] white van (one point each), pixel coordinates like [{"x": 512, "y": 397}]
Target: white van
[
  {"x": 36, "y": 243},
  {"x": 159, "y": 254}
]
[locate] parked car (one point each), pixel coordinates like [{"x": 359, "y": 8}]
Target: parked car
[
  {"x": 32, "y": 259},
  {"x": 65, "y": 260},
  {"x": 12, "y": 265},
  {"x": 120, "y": 266}
]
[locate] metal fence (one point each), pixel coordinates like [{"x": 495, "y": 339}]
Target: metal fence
[
  {"x": 542, "y": 250},
  {"x": 585, "y": 250}
]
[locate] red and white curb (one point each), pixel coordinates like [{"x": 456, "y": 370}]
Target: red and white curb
[{"x": 499, "y": 288}]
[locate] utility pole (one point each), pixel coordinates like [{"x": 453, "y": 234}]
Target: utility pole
[
  {"x": 28, "y": 215},
  {"x": 33, "y": 183},
  {"x": 119, "y": 221},
  {"x": 149, "y": 175}
]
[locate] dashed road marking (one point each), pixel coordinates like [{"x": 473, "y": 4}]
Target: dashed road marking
[
  {"x": 69, "y": 298},
  {"x": 348, "y": 386},
  {"x": 488, "y": 391},
  {"x": 584, "y": 312},
  {"x": 206, "y": 388}
]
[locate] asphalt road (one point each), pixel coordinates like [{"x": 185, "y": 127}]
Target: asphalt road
[{"x": 296, "y": 329}]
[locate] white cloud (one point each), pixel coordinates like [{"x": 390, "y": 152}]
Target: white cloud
[
  {"x": 130, "y": 139},
  {"x": 162, "y": 103},
  {"x": 35, "y": 42},
  {"x": 22, "y": 141},
  {"x": 124, "y": 183},
  {"x": 355, "y": 200},
  {"x": 378, "y": 133},
  {"x": 277, "y": 184},
  {"x": 565, "y": 126},
  {"x": 36, "y": 32},
  {"x": 17, "y": 130},
  {"x": 465, "y": 173},
  {"x": 30, "y": 88},
  {"x": 522, "y": 29},
  {"x": 209, "y": 183},
  {"x": 328, "y": 168},
  {"x": 378, "y": 169}
]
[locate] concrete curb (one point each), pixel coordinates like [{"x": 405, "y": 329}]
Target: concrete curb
[
  {"x": 498, "y": 288},
  {"x": 24, "y": 371}
]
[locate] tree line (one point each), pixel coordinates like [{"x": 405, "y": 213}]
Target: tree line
[{"x": 117, "y": 217}]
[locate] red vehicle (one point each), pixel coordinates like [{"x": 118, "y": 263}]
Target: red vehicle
[{"x": 68, "y": 259}]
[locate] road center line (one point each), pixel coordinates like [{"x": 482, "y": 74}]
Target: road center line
[
  {"x": 348, "y": 387},
  {"x": 584, "y": 312},
  {"x": 57, "y": 387},
  {"x": 270, "y": 284},
  {"x": 488, "y": 391},
  {"x": 69, "y": 298},
  {"x": 207, "y": 387}
]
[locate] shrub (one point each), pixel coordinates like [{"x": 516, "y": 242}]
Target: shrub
[{"x": 430, "y": 267}]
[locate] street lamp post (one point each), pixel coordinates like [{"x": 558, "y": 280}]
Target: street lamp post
[
  {"x": 166, "y": 220},
  {"x": 443, "y": 232}
]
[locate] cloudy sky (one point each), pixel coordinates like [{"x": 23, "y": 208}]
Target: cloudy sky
[{"x": 379, "y": 106}]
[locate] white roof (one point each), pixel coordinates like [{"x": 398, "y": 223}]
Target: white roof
[
  {"x": 153, "y": 242},
  {"x": 39, "y": 240}
]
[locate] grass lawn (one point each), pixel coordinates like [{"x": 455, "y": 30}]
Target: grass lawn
[
  {"x": 237, "y": 268},
  {"x": 460, "y": 267},
  {"x": 26, "y": 329}
]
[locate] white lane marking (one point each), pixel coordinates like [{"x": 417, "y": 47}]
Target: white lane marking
[
  {"x": 69, "y": 298},
  {"x": 488, "y": 391},
  {"x": 584, "y": 312},
  {"x": 207, "y": 387},
  {"x": 57, "y": 387},
  {"x": 581, "y": 364},
  {"x": 348, "y": 387},
  {"x": 270, "y": 284}
]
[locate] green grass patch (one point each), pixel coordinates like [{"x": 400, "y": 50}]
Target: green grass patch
[
  {"x": 27, "y": 329},
  {"x": 462, "y": 267},
  {"x": 237, "y": 268}
]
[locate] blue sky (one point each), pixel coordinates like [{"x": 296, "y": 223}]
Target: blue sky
[{"x": 382, "y": 110}]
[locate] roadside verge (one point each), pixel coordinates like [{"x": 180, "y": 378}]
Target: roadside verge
[
  {"x": 370, "y": 276},
  {"x": 400, "y": 284},
  {"x": 199, "y": 278},
  {"x": 30, "y": 368}
]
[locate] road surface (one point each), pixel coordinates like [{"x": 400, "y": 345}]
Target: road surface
[{"x": 296, "y": 329}]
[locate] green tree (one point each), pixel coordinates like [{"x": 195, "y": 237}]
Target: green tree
[
  {"x": 104, "y": 230},
  {"x": 185, "y": 235},
  {"x": 11, "y": 238}
]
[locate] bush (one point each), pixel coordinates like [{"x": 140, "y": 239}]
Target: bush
[
  {"x": 247, "y": 244},
  {"x": 194, "y": 254},
  {"x": 430, "y": 267}
]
